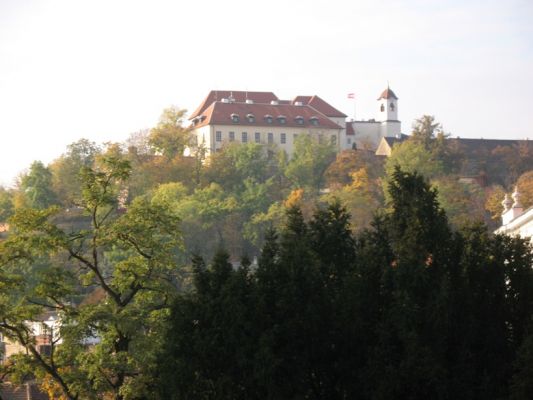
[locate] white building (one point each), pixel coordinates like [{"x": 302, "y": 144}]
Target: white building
[
  {"x": 368, "y": 134},
  {"x": 261, "y": 117},
  {"x": 516, "y": 221}
]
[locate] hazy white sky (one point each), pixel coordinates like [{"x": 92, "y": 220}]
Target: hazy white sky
[{"x": 103, "y": 69}]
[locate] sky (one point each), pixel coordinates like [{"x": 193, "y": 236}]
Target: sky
[{"x": 102, "y": 69}]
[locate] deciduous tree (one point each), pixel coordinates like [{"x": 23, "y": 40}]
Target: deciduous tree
[{"x": 128, "y": 257}]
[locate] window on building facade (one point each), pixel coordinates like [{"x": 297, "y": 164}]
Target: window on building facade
[
  {"x": 294, "y": 136},
  {"x": 269, "y": 119},
  {"x": 313, "y": 121},
  {"x": 231, "y": 136},
  {"x": 244, "y": 137},
  {"x": 382, "y": 108},
  {"x": 270, "y": 138},
  {"x": 218, "y": 136},
  {"x": 349, "y": 140},
  {"x": 333, "y": 139},
  {"x": 282, "y": 119},
  {"x": 283, "y": 138},
  {"x": 257, "y": 137},
  {"x": 299, "y": 120},
  {"x": 392, "y": 106}
]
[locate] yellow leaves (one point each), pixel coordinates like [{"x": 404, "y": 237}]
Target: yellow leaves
[
  {"x": 52, "y": 389},
  {"x": 360, "y": 180},
  {"x": 525, "y": 186},
  {"x": 294, "y": 199}
]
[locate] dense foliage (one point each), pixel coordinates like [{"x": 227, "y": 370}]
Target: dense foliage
[
  {"x": 407, "y": 309},
  {"x": 365, "y": 283}
]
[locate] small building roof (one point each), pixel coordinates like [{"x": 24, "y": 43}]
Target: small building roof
[
  {"x": 386, "y": 143},
  {"x": 388, "y": 94}
]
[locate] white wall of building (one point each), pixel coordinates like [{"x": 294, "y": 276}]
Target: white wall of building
[
  {"x": 367, "y": 134},
  {"x": 212, "y": 144},
  {"x": 390, "y": 129},
  {"x": 521, "y": 226}
]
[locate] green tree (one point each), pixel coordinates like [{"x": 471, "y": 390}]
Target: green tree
[
  {"x": 425, "y": 129},
  {"x": 66, "y": 170},
  {"x": 36, "y": 187},
  {"x": 463, "y": 202},
  {"x": 128, "y": 257},
  {"x": 309, "y": 163},
  {"x": 412, "y": 156},
  {"x": 6, "y": 204},
  {"x": 237, "y": 163}
]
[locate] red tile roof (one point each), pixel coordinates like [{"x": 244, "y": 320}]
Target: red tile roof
[
  {"x": 219, "y": 113},
  {"x": 387, "y": 94},
  {"x": 320, "y": 105},
  {"x": 238, "y": 96}
]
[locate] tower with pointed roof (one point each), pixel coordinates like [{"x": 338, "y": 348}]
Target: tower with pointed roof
[
  {"x": 387, "y": 114},
  {"x": 387, "y": 106}
]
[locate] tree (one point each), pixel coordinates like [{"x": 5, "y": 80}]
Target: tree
[
  {"x": 463, "y": 202},
  {"x": 309, "y": 163},
  {"x": 36, "y": 187},
  {"x": 170, "y": 137},
  {"x": 412, "y": 156},
  {"x": 339, "y": 172},
  {"x": 362, "y": 198},
  {"x": 237, "y": 163},
  {"x": 6, "y": 204},
  {"x": 525, "y": 187},
  {"x": 66, "y": 170},
  {"x": 128, "y": 257},
  {"x": 425, "y": 129},
  {"x": 407, "y": 309},
  {"x": 493, "y": 202}
]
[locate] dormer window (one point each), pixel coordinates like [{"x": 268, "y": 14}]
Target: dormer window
[
  {"x": 235, "y": 118},
  {"x": 197, "y": 120},
  {"x": 392, "y": 106},
  {"x": 250, "y": 117},
  {"x": 269, "y": 118},
  {"x": 299, "y": 120},
  {"x": 282, "y": 119},
  {"x": 313, "y": 121}
]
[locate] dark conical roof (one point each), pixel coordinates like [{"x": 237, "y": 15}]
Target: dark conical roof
[{"x": 388, "y": 94}]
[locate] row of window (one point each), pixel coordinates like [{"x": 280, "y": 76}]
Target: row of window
[
  {"x": 269, "y": 119},
  {"x": 257, "y": 137}
]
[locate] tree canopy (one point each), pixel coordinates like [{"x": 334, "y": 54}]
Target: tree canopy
[{"x": 406, "y": 309}]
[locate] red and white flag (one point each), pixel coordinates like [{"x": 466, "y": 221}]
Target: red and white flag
[{"x": 351, "y": 95}]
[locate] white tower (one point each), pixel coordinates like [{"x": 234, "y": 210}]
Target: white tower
[
  {"x": 387, "y": 106},
  {"x": 387, "y": 114}
]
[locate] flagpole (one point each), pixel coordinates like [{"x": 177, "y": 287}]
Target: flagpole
[{"x": 351, "y": 96}]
